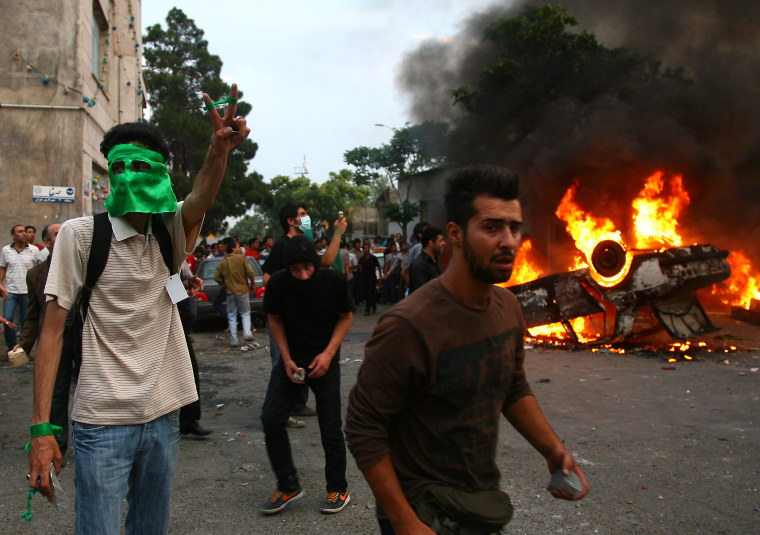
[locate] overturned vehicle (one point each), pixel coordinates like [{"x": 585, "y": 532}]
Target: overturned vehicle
[{"x": 626, "y": 295}]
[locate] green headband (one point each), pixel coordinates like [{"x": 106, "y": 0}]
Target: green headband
[{"x": 145, "y": 191}]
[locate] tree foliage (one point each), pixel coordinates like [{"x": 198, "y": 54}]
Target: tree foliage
[
  {"x": 325, "y": 199},
  {"x": 251, "y": 226},
  {"x": 412, "y": 149},
  {"x": 179, "y": 69}
]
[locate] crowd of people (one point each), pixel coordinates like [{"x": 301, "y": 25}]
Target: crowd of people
[{"x": 422, "y": 418}]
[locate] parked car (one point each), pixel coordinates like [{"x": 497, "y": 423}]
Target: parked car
[{"x": 206, "y": 269}]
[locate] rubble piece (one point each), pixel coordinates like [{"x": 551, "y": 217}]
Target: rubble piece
[{"x": 18, "y": 357}]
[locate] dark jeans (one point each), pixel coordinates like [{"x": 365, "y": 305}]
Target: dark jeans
[
  {"x": 188, "y": 311},
  {"x": 274, "y": 353},
  {"x": 390, "y": 288},
  {"x": 386, "y": 528},
  {"x": 220, "y": 301},
  {"x": 280, "y": 397},
  {"x": 368, "y": 293},
  {"x": 192, "y": 411}
]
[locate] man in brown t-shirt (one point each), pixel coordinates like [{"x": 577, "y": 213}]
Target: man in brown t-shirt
[{"x": 425, "y": 408}]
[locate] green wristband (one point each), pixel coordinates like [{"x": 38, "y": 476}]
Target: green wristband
[
  {"x": 40, "y": 430},
  {"x": 338, "y": 233}
]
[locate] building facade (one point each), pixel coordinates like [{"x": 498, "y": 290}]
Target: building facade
[{"x": 71, "y": 70}]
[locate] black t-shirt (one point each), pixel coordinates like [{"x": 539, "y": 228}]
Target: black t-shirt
[
  {"x": 274, "y": 262},
  {"x": 422, "y": 269},
  {"x": 369, "y": 265},
  {"x": 309, "y": 309}
]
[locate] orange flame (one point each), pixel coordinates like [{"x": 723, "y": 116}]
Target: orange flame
[
  {"x": 744, "y": 283},
  {"x": 656, "y": 216},
  {"x": 585, "y": 229},
  {"x": 525, "y": 266}
]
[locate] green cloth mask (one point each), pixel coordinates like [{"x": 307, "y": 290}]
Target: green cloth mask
[{"x": 147, "y": 190}]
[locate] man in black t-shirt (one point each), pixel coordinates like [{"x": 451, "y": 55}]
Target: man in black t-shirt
[
  {"x": 369, "y": 269},
  {"x": 425, "y": 266},
  {"x": 295, "y": 221},
  {"x": 310, "y": 313}
]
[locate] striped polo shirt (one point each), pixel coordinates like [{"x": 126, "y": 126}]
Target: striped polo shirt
[
  {"x": 135, "y": 362},
  {"x": 16, "y": 265}
]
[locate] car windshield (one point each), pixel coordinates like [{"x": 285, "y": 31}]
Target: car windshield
[{"x": 207, "y": 267}]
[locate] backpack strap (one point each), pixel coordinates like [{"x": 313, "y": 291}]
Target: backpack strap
[
  {"x": 99, "y": 249},
  {"x": 164, "y": 241}
]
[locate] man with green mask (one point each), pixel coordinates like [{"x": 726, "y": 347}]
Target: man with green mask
[{"x": 136, "y": 371}]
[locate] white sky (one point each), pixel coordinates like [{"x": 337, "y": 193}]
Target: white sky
[{"x": 318, "y": 73}]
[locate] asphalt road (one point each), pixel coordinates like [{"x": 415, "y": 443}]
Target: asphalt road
[{"x": 671, "y": 448}]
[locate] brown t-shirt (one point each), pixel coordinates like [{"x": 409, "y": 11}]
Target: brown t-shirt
[
  {"x": 436, "y": 377},
  {"x": 235, "y": 272}
]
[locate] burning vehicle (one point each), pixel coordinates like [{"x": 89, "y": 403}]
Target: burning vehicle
[
  {"x": 610, "y": 293},
  {"x": 662, "y": 283}
]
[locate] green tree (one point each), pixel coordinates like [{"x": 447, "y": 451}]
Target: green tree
[
  {"x": 325, "y": 199},
  {"x": 250, "y": 226},
  {"x": 179, "y": 69},
  {"x": 411, "y": 150}
]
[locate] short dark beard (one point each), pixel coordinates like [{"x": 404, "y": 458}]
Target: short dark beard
[{"x": 479, "y": 270}]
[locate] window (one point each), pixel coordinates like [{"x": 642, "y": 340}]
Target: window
[
  {"x": 95, "y": 46},
  {"x": 99, "y": 31}
]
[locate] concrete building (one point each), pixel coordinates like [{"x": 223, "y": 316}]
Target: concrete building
[{"x": 71, "y": 69}]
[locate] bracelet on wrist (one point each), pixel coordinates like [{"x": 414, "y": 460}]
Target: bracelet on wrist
[
  {"x": 40, "y": 430},
  {"x": 46, "y": 428},
  {"x": 338, "y": 233}
]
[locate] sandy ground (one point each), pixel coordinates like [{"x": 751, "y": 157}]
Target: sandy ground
[{"x": 667, "y": 448}]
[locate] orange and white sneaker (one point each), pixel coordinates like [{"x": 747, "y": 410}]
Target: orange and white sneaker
[
  {"x": 335, "y": 502},
  {"x": 280, "y": 500}
]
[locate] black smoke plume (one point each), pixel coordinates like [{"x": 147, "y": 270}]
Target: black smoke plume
[{"x": 707, "y": 129}]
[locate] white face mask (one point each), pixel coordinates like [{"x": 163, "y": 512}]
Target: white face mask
[{"x": 305, "y": 223}]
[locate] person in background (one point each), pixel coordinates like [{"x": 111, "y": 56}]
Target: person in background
[
  {"x": 310, "y": 313},
  {"x": 295, "y": 221},
  {"x": 31, "y": 236},
  {"x": 266, "y": 250},
  {"x": 425, "y": 267},
  {"x": 237, "y": 276},
  {"x": 190, "y": 414},
  {"x": 68, "y": 367},
  {"x": 389, "y": 274},
  {"x": 369, "y": 266},
  {"x": 253, "y": 249},
  {"x": 15, "y": 260}
]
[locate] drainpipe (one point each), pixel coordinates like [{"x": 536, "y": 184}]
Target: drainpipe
[{"x": 41, "y": 107}]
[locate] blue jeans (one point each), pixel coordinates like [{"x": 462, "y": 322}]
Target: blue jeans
[
  {"x": 114, "y": 461},
  {"x": 9, "y": 311},
  {"x": 281, "y": 394},
  {"x": 235, "y": 304}
]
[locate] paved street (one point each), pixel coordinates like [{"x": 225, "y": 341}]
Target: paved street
[{"x": 671, "y": 451}]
